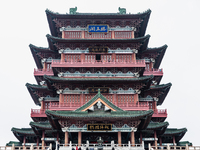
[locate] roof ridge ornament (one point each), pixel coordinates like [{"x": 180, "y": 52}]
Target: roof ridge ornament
[
  {"x": 72, "y": 11},
  {"x": 122, "y": 10}
]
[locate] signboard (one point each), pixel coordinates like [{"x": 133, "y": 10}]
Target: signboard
[
  {"x": 50, "y": 139},
  {"x": 149, "y": 139},
  {"x": 95, "y": 89},
  {"x": 99, "y": 127},
  {"x": 97, "y": 49},
  {"x": 97, "y": 28}
]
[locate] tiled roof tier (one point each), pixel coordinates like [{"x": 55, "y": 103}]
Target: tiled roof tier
[
  {"x": 14, "y": 142},
  {"x": 163, "y": 88},
  {"x": 142, "y": 41},
  {"x": 183, "y": 143},
  {"x": 33, "y": 87},
  {"x": 52, "y": 79},
  {"x": 159, "y": 51},
  {"x": 34, "y": 50},
  {"x": 160, "y": 127},
  {"x": 41, "y": 125},
  {"x": 174, "y": 131},
  {"x": 19, "y": 133},
  {"x": 98, "y": 95},
  {"x": 108, "y": 17},
  {"x": 156, "y": 125},
  {"x": 178, "y": 133}
]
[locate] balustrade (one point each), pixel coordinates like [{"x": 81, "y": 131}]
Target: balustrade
[
  {"x": 98, "y": 63},
  {"x": 41, "y": 72},
  {"x": 153, "y": 71},
  {"x": 86, "y": 35}
]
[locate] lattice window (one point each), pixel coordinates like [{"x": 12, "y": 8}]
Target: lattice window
[
  {"x": 79, "y": 123},
  {"x": 123, "y": 58},
  {"x": 74, "y": 58},
  {"x": 74, "y": 99},
  {"x": 46, "y": 105},
  {"x": 64, "y": 123},
  {"x": 90, "y": 58},
  {"x": 133, "y": 123},
  {"x": 106, "y": 58},
  {"x": 119, "y": 124}
]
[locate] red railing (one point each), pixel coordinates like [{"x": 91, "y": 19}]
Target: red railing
[
  {"x": 155, "y": 72},
  {"x": 41, "y": 72},
  {"x": 160, "y": 113},
  {"x": 124, "y": 106},
  {"x": 38, "y": 113},
  {"x": 86, "y": 35},
  {"x": 95, "y": 63}
]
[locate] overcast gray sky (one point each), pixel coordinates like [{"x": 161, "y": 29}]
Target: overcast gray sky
[{"x": 172, "y": 22}]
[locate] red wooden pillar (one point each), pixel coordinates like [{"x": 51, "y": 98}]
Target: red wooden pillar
[
  {"x": 42, "y": 105},
  {"x": 62, "y": 57},
  {"x": 132, "y": 35},
  {"x": 112, "y": 34},
  {"x": 119, "y": 138},
  {"x": 61, "y": 98},
  {"x": 66, "y": 138},
  {"x": 57, "y": 136},
  {"x": 79, "y": 138},
  {"x": 37, "y": 140},
  {"x": 160, "y": 141},
  {"x": 24, "y": 142},
  {"x": 63, "y": 34},
  {"x": 155, "y": 138},
  {"x": 140, "y": 137},
  {"x": 135, "y": 98},
  {"x": 44, "y": 66},
  {"x": 132, "y": 138},
  {"x": 43, "y": 136},
  {"x": 174, "y": 141},
  {"x": 82, "y": 34}
]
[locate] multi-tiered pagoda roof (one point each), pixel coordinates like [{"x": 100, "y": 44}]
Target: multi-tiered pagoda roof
[{"x": 109, "y": 80}]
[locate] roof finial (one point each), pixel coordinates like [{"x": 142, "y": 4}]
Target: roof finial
[
  {"x": 122, "y": 10},
  {"x": 73, "y": 11},
  {"x": 99, "y": 91}
]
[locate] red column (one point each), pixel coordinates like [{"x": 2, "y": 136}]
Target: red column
[
  {"x": 66, "y": 138},
  {"x": 174, "y": 141},
  {"x": 155, "y": 138},
  {"x": 160, "y": 141},
  {"x": 119, "y": 138},
  {"x": 132, "y": 33},
  {"x": 38, "y": 141},
  {"x": 62, "y": 57},
  {"x": 57, "y": 136},
  {"x": 140, "y": 137},
  {"x": 24, "y": 142},
  {"x": 79, "y": 138},
  {"x": 43, "y": 136},
  {"x": 132, "y": 138},
  {"x": 135, "y": 98}
]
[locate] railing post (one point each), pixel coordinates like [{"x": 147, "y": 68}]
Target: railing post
[
  {"x": 186, "y": 147},
  {"x": 149, "y": 146},
  {"x": 168, "y": 148},
  {"x": 13, "y": 147}
]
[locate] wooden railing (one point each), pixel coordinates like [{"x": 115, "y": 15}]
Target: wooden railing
[
  {"x": 96, "y": 63},
  {"x": 174, "y": 147},
  {"x": 155, "y": 72},
  {"x": 41, "y": 72},
  {"x": 110, "y": 35}
]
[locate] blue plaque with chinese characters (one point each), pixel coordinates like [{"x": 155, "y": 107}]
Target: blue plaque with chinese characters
[{"x": 99, "y": 28}]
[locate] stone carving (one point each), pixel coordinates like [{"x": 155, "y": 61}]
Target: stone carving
[
  {"x": 73, "y": 10},
  {"x": 122, "y": 10}
]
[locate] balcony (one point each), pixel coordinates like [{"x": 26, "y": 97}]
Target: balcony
[
  {"x": 41, "y": 72},
  {"x": 98, "y": 63},
  {"x": 110, "y": 35},
  {"x": 155, "y": 72},
  {"x": 160, "y": 113},
  {"x": 38, "y": 113}
]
